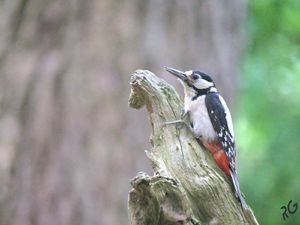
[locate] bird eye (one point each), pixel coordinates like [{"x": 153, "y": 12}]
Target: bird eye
[{"x": 195, "y": 77}]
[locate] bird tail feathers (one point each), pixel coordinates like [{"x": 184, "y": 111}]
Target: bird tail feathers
[{"x": 237, "y": 189}]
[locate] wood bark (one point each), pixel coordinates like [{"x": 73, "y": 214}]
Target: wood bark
[{"x": 187, "y": 188}]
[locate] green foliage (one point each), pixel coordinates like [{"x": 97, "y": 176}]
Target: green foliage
[{"x": 268, "y": 128}]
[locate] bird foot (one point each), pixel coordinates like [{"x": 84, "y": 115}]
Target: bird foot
[{"x": 178, "y": 123}]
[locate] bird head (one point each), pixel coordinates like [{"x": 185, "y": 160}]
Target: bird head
[{"x": 194, "y": 81}]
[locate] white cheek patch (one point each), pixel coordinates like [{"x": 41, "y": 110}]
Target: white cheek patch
[
  {"x": 202, "y": 84},
  {"x": 228, "y": 116}
]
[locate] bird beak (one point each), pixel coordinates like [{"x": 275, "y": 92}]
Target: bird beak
[{"x": 181, "y": 75}]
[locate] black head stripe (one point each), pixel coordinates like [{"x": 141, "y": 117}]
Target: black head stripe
[
  {"x": 200, "y": 92},
  {"x": 207, "y": 78},
  {"x": 203, "y": 75}
]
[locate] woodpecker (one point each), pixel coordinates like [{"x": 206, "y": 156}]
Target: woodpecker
[{"x": 210, "y": 121}]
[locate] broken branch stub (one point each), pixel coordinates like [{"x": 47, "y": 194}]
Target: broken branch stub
[{"x": 188, "y": 187}]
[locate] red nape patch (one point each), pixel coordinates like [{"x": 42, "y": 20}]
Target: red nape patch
[{"x": 219, "y": 155}]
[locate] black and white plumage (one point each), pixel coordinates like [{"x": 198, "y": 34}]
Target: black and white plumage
[
  {"x": 222, "y": 123},
  {"x": 220, "y": 118},
  {"x": 210, "y": 120}
]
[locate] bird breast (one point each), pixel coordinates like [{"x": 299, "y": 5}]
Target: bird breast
[{"x": 199, "y": 117}]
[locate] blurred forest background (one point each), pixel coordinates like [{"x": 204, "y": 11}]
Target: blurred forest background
[{"x": 68, "y": 142}]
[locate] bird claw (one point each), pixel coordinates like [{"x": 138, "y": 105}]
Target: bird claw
[
  {"x": 181, "y": 122},
  {"x": 178, "y": 123}
]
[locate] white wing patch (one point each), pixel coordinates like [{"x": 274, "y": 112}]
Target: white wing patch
[{"x": 228, "y": 116}]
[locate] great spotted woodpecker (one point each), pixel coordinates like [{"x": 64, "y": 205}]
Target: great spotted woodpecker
[{"x": 210, "y": 121}]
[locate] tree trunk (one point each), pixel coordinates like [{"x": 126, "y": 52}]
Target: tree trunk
[{"x": 187, "y": 188}]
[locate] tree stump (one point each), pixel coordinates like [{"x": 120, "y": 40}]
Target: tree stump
[{"x": 188, "y": 187}]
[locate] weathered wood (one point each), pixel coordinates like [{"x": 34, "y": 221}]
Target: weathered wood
[{"x": 187, "y": 188}]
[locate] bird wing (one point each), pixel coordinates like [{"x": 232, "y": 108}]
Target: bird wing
[{"x": 222, "y": 123}]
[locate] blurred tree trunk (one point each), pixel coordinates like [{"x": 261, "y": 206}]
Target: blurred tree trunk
[{"x": 68, "y": 143}]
